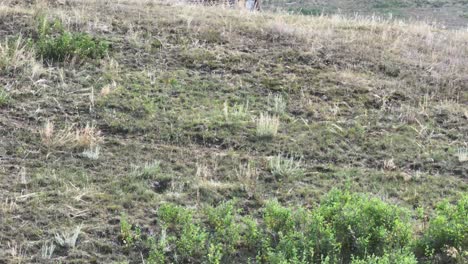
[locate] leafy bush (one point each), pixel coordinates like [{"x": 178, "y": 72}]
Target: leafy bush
[
  {"x": 447, "y": 229},
  {"x": 365, "y": 226},
  {"x": 188, "y": 235},
  {"x": 57, "y": 44},
  {"x": 226, "y": 229},
  {"x": 345, "y": 228}
]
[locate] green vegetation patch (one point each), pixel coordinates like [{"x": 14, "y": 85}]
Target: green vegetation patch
[
  {"x": 57, "y": 44},
  {"x": 345, "y": 227}
]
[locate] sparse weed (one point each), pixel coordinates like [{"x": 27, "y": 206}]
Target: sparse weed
[
  {"x": 68, "y": 238},
  {"x": 267, "y": 126},
  {"x": 285, "y": 168}
]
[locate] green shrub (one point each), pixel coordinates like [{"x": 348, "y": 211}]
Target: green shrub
[
  {"x": 189, "y": 236},
  {"x": 251, "y": 232},
  {"x": 344, "y": 228},
  {"x": 226, "y": 230},
  {"x": 215, "y": 253},
  {"x": 56, "y": 44},
  {"x": 156, "y": 253},
  {"x": 278, "y": 219},
  {"x": 365, "y": 226},
  {"x": 192, "y": 241},
  {"x": 174, "y": 216},
  {"x": 447, "y": 229}
]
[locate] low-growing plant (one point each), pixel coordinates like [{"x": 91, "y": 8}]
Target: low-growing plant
[
  {"x": 128, "y": 235},
  {"x": 173, "y": 216},
  {"x": 57, "y": 44},
  {"x": 157, "y": 249},
  {"x": 344, "y": 228},
  {"x": 92, "y": 153},
  {"x": 215, "y": 253},
  {"x": 68, "y": 238},
  {"x": 251, "y": 234},
  {"x": 149, "y": 170},
  {"x": 16, "y": 56},
  {"x": 4, "y": 97},
  {"x": 285, "y": 168},
  {"x": 404, "y": 257},
  {"x": 67, "y": 46},
  {"x": 236, "y": 113},
  {"x": 277, "y": 104},
  {"x": 267, "y": 126}
]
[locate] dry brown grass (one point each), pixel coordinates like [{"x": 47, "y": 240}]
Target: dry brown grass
[
  {"x": 16, "y": 57},
  {"x": 87, "y": 137}
]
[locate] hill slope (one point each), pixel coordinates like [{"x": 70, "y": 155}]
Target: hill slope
[
  {"x": 194, "y": 106},
  {"x": 450, "y": 13}
]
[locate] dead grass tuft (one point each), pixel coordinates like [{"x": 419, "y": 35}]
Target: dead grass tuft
[{"x": 87, "y": 137}]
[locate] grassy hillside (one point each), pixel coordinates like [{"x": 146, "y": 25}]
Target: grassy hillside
[
  {"x": 141, "y": 130},
  {"x": 451, "y": 13}
]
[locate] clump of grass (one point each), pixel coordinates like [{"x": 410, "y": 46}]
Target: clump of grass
[
  {"x": 68, "y": 238},
  {"x": 267, "y": 126},
  {"x": 16, "y": 56},
  {"x": 149, "y": 170},
  {"x": 87, "y": 137},
  {"x": 277, "y": 104},
  {"x": 462, "y": 154},
  {"x": 47, "y": 250},
  {"x": 4, "y": 97},
  {"x": 92, "y": 153},
  {"x": 248, "y": 177},
  {"x": 56, "y": 138},
  {"x": 235, "y": 113},
  {"x": 285, "y": 168}
]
